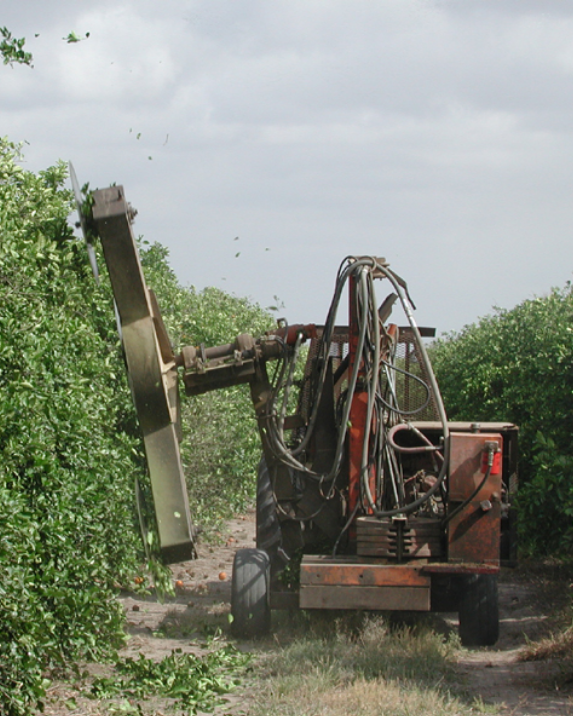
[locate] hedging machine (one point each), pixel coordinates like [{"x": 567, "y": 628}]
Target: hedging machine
[{"x": 367, "y": 497}]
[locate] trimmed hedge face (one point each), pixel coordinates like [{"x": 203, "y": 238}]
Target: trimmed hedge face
[
  {"x": 70, "y": 448},
  {"x": 67, "y": 443}
]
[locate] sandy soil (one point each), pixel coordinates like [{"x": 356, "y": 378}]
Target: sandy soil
[{"x": 529, "y": 603}]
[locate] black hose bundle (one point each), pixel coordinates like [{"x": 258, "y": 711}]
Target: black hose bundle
[{"x": 373, "y": 372}]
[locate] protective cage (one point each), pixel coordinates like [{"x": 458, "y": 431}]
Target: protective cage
[{"x": 411, "y": 395}]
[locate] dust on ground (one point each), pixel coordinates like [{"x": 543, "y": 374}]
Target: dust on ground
[{"x": 531, "y": 602}]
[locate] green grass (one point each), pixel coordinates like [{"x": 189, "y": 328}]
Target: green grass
[{"x": 334, "y": 666}]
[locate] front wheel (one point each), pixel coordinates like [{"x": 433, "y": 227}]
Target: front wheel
[
  {"x": 479, "y": 611},
  {"x": 250, "y": 604}
]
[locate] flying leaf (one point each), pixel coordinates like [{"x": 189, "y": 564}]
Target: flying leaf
[{"x": 72, "y": 37}]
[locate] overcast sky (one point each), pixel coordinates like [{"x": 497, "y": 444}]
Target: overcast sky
[{"x": 437, "y": 133}]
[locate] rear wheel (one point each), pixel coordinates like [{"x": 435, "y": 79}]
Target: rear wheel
[
  {"x": 479, "y": 610},
  {"x": 250, "y": 604},
  {"x": 268, "y": 527}
]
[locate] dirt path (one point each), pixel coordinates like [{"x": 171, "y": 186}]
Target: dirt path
[
  {"x": 529, "y": 602},
  {"x": 202, "y": 601}
]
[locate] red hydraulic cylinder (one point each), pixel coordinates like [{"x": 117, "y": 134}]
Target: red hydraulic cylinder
[{"x": 358, "y": 413}]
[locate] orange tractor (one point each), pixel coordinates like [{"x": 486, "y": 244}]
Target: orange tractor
[{"x": 367, "y": 497}]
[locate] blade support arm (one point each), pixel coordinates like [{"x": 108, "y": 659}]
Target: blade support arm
[{"x": 152, "y": 372}]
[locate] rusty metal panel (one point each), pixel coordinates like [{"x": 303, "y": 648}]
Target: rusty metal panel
[
  {"x": 328, "y": 571},
  {"x": 152, "y": 373},
  {"x": 378, "y": 598},
  {"x": 474, "y": 531},
  {"x": 466, "y": 455},
  {"x": 447, "y": 568}
]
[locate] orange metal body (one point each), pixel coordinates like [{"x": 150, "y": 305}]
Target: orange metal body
[
  {"x": 358, "y": 414},
  {"x": 474, "y": 533},
  {"x": 335, "y": 583}
]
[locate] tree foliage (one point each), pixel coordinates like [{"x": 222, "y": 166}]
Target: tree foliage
[
  {"x": 66, "y": 459},
  {"x": 70, "y": 447},
  {"x": 12, "y": 49},
  {"x": 517, "y": 365}
]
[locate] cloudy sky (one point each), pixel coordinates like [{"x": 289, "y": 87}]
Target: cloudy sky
[{"x": 436, "y": 133}]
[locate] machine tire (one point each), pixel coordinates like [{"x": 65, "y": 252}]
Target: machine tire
[
  {"x": 250, "y": 605},
  {"x": 268, "y": 526},
  {"x": 479, "y": 610}
]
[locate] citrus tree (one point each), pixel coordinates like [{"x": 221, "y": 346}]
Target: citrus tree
[
  {"x": 70, "y": 447},
  {"x": 517, "y": 365}
]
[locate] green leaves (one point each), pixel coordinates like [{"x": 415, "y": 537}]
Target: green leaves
[
  {"x": 12, "y": 49},
  {"x": 67, "y": 437},
  {"x": 72, "y": 38},
  {"x": 517, "y": 365},
  {"x": 70, "y": 447},
  {"x": 198, "y": 683},
  {"x": 546, "y": 500}
]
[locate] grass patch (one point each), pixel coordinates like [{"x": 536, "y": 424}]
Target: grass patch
[
  {"x": 555, "y": 577},
  {"x": 556, "y": 653},
  {"x": 334, "y": 666},
  {"x": 556, "y": 646}
]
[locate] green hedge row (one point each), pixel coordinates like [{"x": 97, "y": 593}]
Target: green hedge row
[
  {"x": 517, "y": 365},
  {"x": 67, "y": 459},
  {"x": 70, "y": 448}
]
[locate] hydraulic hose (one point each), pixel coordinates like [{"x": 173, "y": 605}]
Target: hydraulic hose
[{"x": 369, "y": 360}]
